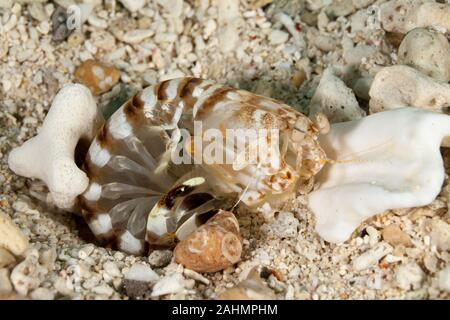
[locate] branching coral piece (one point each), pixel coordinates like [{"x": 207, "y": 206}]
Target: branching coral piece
[
  {"x": 389, "y": 160},
  {"x": 49, "y": 156}
]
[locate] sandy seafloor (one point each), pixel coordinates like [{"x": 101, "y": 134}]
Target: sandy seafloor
[{"x": 248, "y": 48}]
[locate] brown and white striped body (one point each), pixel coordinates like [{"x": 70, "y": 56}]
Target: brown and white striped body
[{"x": 129, "y": 162}]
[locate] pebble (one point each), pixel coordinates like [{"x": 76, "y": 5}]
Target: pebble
[
  {"x": 361, "y": 87},
  {"x": 91, "y": 282},
  {"x": 133, "y": 5},
  {"x": 104, "y": 41},
  {"x": 359, "y": 53},
  {"x": 6, "y": 258},
  {"x": 290, "y": 293},
  {"x": 440, "y": 234},
  {"x": 103, "y": 289},
  {"x": 421, "y": 212},
  {"x": 173, "y": 7},
  {"x": 444, "y": 279},
  {"x": 136, "y": 289},
  {"x": 340, "y": 8},
  {"x": 85, "y": 251},
  {"x": 294, "y": 273},
  {"x": 396, "y": 236},
  {"x": 373, "y": 235},
  {"x": 90, "y": 47},
  {"x": 430, "y": 262},
  {"x": 170, "y": 284},
  {"x": 196, "y": 276},
  {"x": 119, "y": 256},
  {"x": 44, "y": 28},
  {"x": 404, "y": 15},
  {"x": 277, "y": 37},
  {"x": 47, "y": 258},
  {"x": 372, "y": 256},
  {"x": 160, "y": 258},
  {"x": 6, "y": 4},
  {"x": 37, "y": 11},
  {"x": 228, "y": 38},
  {"x": 64, "y": 286},
  {"x": 111, "y": 268},
  {"x": 323, "y": 42},
  {"x": 136, "y": 36},
  {"x": 11, "y": 237},
  {"x": 334, "y": 99},
  {"x": 256, "y": 4},
  {"x": 117, "y": 283},
  {"x": 428, "y": 51},
  {"x": 284, "y": 225},
  {"x": 10, "y": 24},
  {"x": 82, "y": 268},
  {"x": 267, "y": 212},
  {"x": 141, "y": 272},
  {"x": 97, "y": 22},
  {"x": 172, "y": 75},
  {"x": 42, "y": 294},
  {"x": 5, "y": 284},
  {"x": 402, "y": 212},
  {"x": 252, "y": 288},
  {"x": 75, "y": 39},
  {"x": 209, "y": 28},
  {"x": 28, "y": 274},
  {"x": 390, "y": 258},
  {"x": 298, "y": 78},
  {"x": 97, "y": 76},
  {"x": 275, "y": 284},
  {"x": 409, "y": 276},
  {"x": 60, "y": 31}
]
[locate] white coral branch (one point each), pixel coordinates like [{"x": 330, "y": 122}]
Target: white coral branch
[
  {"x": 388, "y": 160},
  {"x": 49, "y": 156}
]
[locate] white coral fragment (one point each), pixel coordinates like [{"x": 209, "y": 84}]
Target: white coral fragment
[
  {"x": 49, "y": 156},
  {"x": 409, "y": 276},
  {"x": 133, "y": 5},
  {"x": 404, "y": 15},
  {"x": 428, "y": 51},
  {"x": 334, "y": 99},
  {"x": 371, "y": 257},
  {"x": 28, "y": 274},
  {"x": 444, "y": 279},
  {"x": 11, "y": 237},
  {"x": 398, "y": 86},
  {"x": 170, "y": 284},
  {"x": 141, "y": 272},
  {"x": 378, "y": 168}
]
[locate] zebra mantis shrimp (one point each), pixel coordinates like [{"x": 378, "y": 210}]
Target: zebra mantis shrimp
[{"x": 138, "y": 197}]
